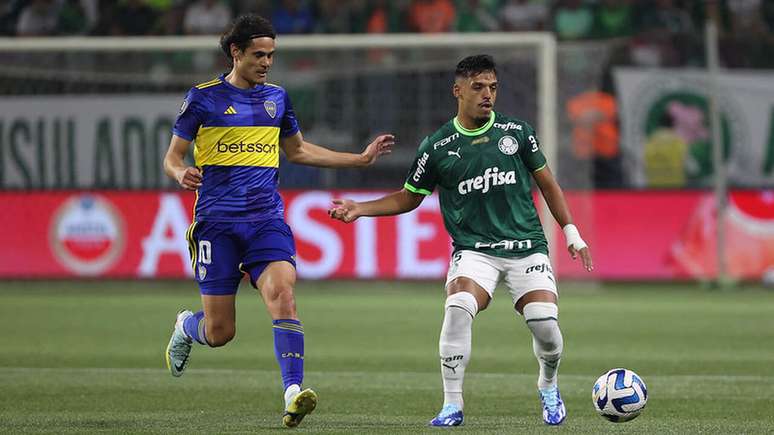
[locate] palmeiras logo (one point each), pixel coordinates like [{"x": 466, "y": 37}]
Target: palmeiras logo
[
  {"x": 508, "y": 145},
  {"x": 87, "y": 234},
  {"x": 271, "y": 108},
  {"x": 670, "y": 130}
]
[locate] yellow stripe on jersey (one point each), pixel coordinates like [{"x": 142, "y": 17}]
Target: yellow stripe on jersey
[
  {"x": 237, "y": 146},
  {"x": 212, "y": 82}
]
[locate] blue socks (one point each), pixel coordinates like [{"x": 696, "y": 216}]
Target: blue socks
[
  {"x": 288, "y": 345},
  {"x": 194, "y": 328},
  {"x": 289, "y": 350}
]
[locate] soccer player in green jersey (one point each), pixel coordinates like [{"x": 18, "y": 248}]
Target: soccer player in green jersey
[{"x": 481, "y": 162}]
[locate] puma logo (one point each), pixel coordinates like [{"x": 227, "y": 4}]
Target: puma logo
[
  {"x": 455, "y": 153},
  {"x": 452, "y": 368}
]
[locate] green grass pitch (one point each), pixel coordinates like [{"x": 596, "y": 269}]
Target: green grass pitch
[{"x": 81, "y": 357}]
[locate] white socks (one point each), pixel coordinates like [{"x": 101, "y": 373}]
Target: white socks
[
  {"x": 542, "y": 320},
  {"x": 290, "y": 393},
  {"x": 454, "y": 344}
]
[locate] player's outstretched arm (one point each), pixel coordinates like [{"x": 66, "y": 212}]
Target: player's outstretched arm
[
  {"x": 302, "y": 152},
  {"x": 188, "y": 177},
  {"x": 552, "y": 192},
  {"x": 398, "y": 202}
]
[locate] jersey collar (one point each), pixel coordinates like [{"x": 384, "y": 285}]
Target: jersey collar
[
  {"x": 464, "y": 131},
  {"x": 248, "y": 91}
]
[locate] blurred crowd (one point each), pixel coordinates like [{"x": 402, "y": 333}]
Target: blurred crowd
[{"x": 570, "y": 19}]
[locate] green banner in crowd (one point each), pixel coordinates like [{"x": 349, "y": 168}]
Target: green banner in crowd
[{"x": 666, "y": 140}]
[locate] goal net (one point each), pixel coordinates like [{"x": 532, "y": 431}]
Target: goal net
[{"x": 94, "y": 113}]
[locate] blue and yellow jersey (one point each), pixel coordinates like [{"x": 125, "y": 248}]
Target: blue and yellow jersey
[{"x": 236, "y": 136}]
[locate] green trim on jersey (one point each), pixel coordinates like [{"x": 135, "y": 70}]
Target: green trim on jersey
[
  {"x": 411, "y": 188},
  {"x": 540, "y": 168},
  {"x": 477, "y": 131}
]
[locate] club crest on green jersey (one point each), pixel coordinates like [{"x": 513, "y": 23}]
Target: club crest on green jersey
[
  {"x": 271, "y": 108},
  {"x": 508, "y": 145}
]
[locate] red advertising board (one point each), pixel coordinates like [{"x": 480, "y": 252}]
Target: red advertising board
[{"x": 633, "y": 235}]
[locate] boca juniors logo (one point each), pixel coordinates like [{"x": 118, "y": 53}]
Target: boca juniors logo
[
  {"x": 271, "y": 108},
  {"x": 86, "y": 235}
]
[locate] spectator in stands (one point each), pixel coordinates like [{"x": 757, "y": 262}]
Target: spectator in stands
[
  {"x": 768, "y": 16},
  {"x": 359, "y": 11},
  {"x": 333, "y": 16},
  {"x": 74, "y": 18},
  {"x": 171, "y": 20},
  {"x": 747, "y": 17},
  {"x": 260, "y": 7},
  {"x": 292, "y": 16},
  {"x": 614, "y": 19},
  {"x": 133, "y": 17},
  {"x": 524, "y": 15},
  {"x": 206, "y": 17},
  {"x": 387, "y": 17},
  {"x": 665, "y": 16},
  {"x": 431, "y": 16},
  {"x": 476, "y": 16},
  {"x": 573, "y": 20},
  {"x": 39, "y": 18}
]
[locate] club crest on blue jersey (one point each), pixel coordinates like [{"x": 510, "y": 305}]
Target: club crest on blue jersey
[
  {"x": 271, "y": 108},
  {"x": 202, "y": 272},
  {"x": 183, "y": 106}
]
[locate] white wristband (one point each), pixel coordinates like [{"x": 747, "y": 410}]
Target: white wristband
[{"x": 573, "y": 237}]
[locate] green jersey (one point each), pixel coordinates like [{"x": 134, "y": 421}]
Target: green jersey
[{"x": 484, "y": 182}]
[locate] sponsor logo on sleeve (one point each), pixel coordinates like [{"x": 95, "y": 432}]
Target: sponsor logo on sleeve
[{"x": 420, "y": 167}]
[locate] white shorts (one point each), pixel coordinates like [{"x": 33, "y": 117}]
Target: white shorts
[{"x": 521, "y": 275}]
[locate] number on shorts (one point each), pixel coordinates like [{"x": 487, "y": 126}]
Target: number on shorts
[{"x": 205, "y": 252}]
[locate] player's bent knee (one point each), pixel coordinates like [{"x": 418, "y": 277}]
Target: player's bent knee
[
  {"x": 280, "y": 300},
  {"x": 543, "y": 320},
  {"x": 219, "y": 335},
  {"x": 463, "y": 300},
  {"x": 466, "y": 285}
]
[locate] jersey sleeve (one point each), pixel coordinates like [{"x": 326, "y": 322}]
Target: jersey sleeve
[
  {"x": 193, "y": 113},
  {"x": 289, "y": 125},
  {"x": 422, "y": 176},
  {"x": 530, "y": 153}
]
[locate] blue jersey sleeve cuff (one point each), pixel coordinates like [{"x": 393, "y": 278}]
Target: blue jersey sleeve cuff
[
  {"x": 290, "y": 132},
  {"x": 182, "y": 134}
]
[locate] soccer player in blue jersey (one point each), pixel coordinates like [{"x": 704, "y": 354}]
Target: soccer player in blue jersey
[
  {"x": 238, "y": 122},
  {"x": 482, "y": 163}
]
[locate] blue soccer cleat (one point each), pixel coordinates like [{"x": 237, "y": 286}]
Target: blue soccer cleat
[
  {"x": 554, "y": 411},
  {"x": 450, "y": 415},
  {"x": 179, "y": 347},
  {"x": 298, "y": 407}
]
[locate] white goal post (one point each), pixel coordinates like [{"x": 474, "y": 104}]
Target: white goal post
[{"x": 544, "y": 44}]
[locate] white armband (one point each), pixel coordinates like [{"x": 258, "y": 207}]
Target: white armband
[{"x": 573, "y": 237}]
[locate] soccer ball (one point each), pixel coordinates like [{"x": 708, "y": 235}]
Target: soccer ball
[{"x": 619, "y": 395}]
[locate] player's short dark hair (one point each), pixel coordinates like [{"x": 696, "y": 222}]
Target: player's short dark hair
[
  {"x": 243, "y": 30},
  {"x": 475, "y": 65}
]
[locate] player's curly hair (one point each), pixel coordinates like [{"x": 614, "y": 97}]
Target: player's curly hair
[
  {"x": 475, "y": 65},
  {"x": 243, "y": 29}
]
